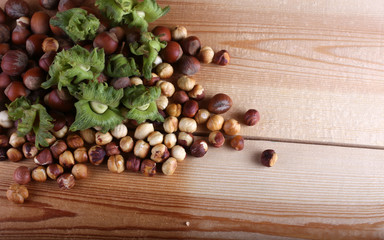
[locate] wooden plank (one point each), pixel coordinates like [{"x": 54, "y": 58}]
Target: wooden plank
[{"x": 313, "y": 191}]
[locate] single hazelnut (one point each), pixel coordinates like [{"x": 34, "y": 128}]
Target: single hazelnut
[
  {"x": 4, "y": 141},
  {"x": 163, "y": 33},
  {"x": 202, "y": 116},
  {"x": 237, "y": 143},
  {"x": 14, "y": 155},
  {"x": 34, "y": 45},
  {"x": 185, "y": 139},
  {"x": 88, "y": 135},
  {"x": 268, "y": 157},
  {"x": 179, "y": 153},
  {"x": 191, "y": 45},
  {"x": 169, "y": 166},
  {"x": 180, "y": 97},
  {"x": 33, "y": 78},
  {"x": 141, "y": 149},
  {"x": 39, "y": 174},
  {"x": 16, "y": 8},
  {"x": 231, "y": 127},
  {"x": 80, "y": 171},
  {"x": 174, "y": 110},
  {"x": 44, "y": 157},
  {"x": 220, "y": 103},
  {"x": 66, "y": 181},
  {"x": 15, "y": 140},
  {"x": 106, "y": 40},
  {"x": 119, "y": 131},
  {"x": 116, "y": 164},
  {"x": 190, "y": 108},
  {"x": 80, "y": 155},
  {"x": 133, "y": 163},
  {"x": 14, "y": 62},
  {"x": 5, "y": 122},
  {"x": 167, "y": 89},
  {"x": 215, "y": 122},
  {"x": 199, "y": 148},
  {"x": 22, "y": 175},
  {"x": 143, "y": 130},
  {"x": 96, "y": 154},
  {"x": 221, "y": 58},
  {"x": 178, "y": 33},
  {"x": 251, "y": 117},
  {"x": 148, "y": 168},
  {"x": 54, "y": 171},
  {"x": 170, "y": 124},
  {"x": 15, "y": 90},
  {"x": 17, "y": 193},
  {"x": 187, "y": 125},
  {"x": 162, "y": 102},
  {"x": 216, "y": 138},
  {"x": 46, "y": 60},
  {"x": 103, "y": 138},
  {"x": 186, "y": 83},
  {"x": 60, "y": 133},
  {"x": 66, "y": 159},
  {"x": 170, "y": 140},
  {"x": 159, "y": 153},
  {"x": 136, "y": 81},
  {"x": 155, "y": 138},
  {"x": 29, "y": 150},
  {"x": 126, "y": 144},
  {"x": 188, "y": 65},
  {"x": 20, "y": 33},
  {"x": 40, "y": 23},
  {"x": 50, "y": 44},
  {"x": 5, "y": 33},
  {"x": 172, "y": 52},
  {"x": 164, "y": 70},
  {"x": 49, "y": 4},
  {"x": 197, "y": 93},
  {"x": 206, "y": 55},
  {"x": 75, "y": 141},
  {"x": 112, "y": 149}
]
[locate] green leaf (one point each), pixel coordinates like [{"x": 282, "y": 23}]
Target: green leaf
[
  {"x": 115, "y": 10},
  {"x": 77, "y": 24},
  {"x": 136, "y": 20},
  {"x": 17, "y": 107},
  {"x": 43, "y": 126},
  {"x": 120, "y": 66},
  {"x": 152, "y": 10}
]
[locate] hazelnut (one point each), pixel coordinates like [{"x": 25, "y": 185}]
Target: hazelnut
[
  {"x": 188, "y": 65},
  {"x": 202, "y": 116},
  {"x": 43, "y": 158},
  {"x": 215, "y": 122},
  {"x": 39, "y": 174},
  {"x": 199, "y": 148},
  {"x": 186, "y": 83},
  {"x": 96, "y": 154},
  {"x": 119, "y": 31},
  {"x": 164, "y": 70},
  {"x": 155, "y": 138},
  {"x": 170, "y": 140},
  {"x": 162, "y": 102},
  {"x": 185, "y": 139},
  {"x": 231, "y": 127},
  {"x": 22, "y": 175},
  {"x": 268, "y": 158},
  {"x": 106, "y": 40},
  {"x": 180, "y": 97},
  {"x": 4, "y": 141},
  {"x": 46, "y": 60},
  {"x": 187, "y": 125},
  {"x": 174, "y": 109},
  {"x": 50, "y": 44},
  {"x": 221, "y": 58},
  {"x": 119, "y": 131},
  {"x": 49, "y": 4},
  {"x": 216, "y": 138},
  {"x": 190, "y": 45},
  {"x": 66, "y": 181},
  {"x": 14, "y": 155},
  {"x": 17, "y": 193},
  {"x": 15, "y": 90},
  {"x": 190, "y": 108},
  {"x": 5, "y": 122},
  {"x": 51, "y": 140},
  {"x": 3, "y": 17},
  {"x": 58, "y": 148},
  {"x": 103, "y": 138},
  {"x": 197, "y": 93},
  {"x": 167, "y": 89},
  {"x": 34, "y": 45},
  {"x": 14, "y": 63},
  {"x": 80, "y": 171},
  {"x": 88, "y": 135},
  {"x": 170, "y": 124},
  {"x": 118, "y": 83},
  {"x": 3, "y": 154},
  {"x": 60, "y": 133},
  {"x": 163, "y": 33},
  {"x": 80, "y": 155},
  {"x": 29, "y": 150},
  {"x": 16, "y": 141},
  {"x": 157, "y": 61},
  {"x": 172, "y": 52},
  {"x": 136, "y": 81},
  {"x": 237, "y": 143},
  {"x": 54, "y": 171},
  {"x": 16, "y": 8},
  {"x": 159, "y": 153},
  {"x": 126, "y": 144},
  {"x": 206, "y": 55},
  {"x": 75, "y": 141},
  {"x": 220, "y": 103},
  {"x": 40, "y": 23},
  {"x": 66, "y": 159},
  {"x": 20, "y": 33},
  {"x": 179, "y": 153},
  {"x": 116, "y": 164},
  {"x": 112, "y": 149},
  {"x": 5, "y": 80},
  {"x": 33, "y": 78},
  {"x": 143, "y": 130},
  {"x": 169, "y": 166},
  {"x": 148, "y": 168},
  {"x": 179, "y": 33},
  {"x": 251, "y": 117},
  {"x": 5, "y": 33},
  {"x": 132, "y": 163},
  {"x": 141, "y": 149}
]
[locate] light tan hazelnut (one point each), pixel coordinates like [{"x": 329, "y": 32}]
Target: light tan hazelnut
[
  {"x": 80, "y": 171},
  {"x": 143, "y": 130},
  {"x": 174, "y": 109},
  {"x": 119, "y": 131},
  {"x": 16, "y": 141},
  {"x": 169, "y": 166},
  {"x": 164, "y": 70},
  {"x": 103, "y": 138},
  {"x": 88, "y": 135},
  {"x": 159, "y": 153},
  {"x": 126, "y": 144},
  {"x": 170, "y": 140},
  {"x": 188, "y": 125},
  {"x": 170, "y": 124},
  {"x": 186, "y": 83},
  {"x": 81, "y": 155},
  {"x": 141, "y": 149},
  {"x": 206, "y": 54},
  {"x": 5, "y": 122},
  {"x": 231, "y": 127},
  {"x": 185, "y": 139},
  {"x": 155, "y": 138},
  {"x": 197, "y": 93},
  {"x": 179, "y": 33},
  {"x": 136, "y": 81},
  {"x": 162, "y": 102},
  {"x": 116, "y": 164},
  {"x": 202, "y": 116},
  {"x": 215, "y": 122},
  {"x": 167, "y": 89},
  {"x": 179, "y": 153},
  {"x": 60, "y": 133},
  {"x": 39, "y": 174}
]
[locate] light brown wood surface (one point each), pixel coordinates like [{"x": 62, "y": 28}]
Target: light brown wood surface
[{"x": 315, "y": 71}]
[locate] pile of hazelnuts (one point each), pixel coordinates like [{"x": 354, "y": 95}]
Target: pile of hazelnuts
[{"x": 28, "y": 49}]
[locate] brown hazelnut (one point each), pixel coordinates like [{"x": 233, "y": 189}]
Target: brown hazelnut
[
  {"x": 3, "y": 17},
  {"x": 15, "y": 90},
  {"x": 49, "y": 4},
  {"x": 54, "y": 171},
  {"x": 17, "y": 193},
  {"x": 159, "y": 153},
  {"x": 180, "y": 97},
  {"x": 66, "y": 159},
  {"x": 43, "y": 158},
  {"x": 172, "y": 52},
  {"x": 268, "y": 158},
  {"x": 66, "y": 5},
  {"x": 55, "y": 101},
  {"x": 22, "y": 175},
  {"x": 116, "y": 164},
  {"x": 231, "y": 127},
  {"x": 206, "y": 55},
  {"x": 29, "y": 150},
  {"x": 20, "y": 33},
  {"x": 14, "y": 62},
  {"x": 170, "y": 124},
  {"x": 66, "y": 181},
  {"x": 215, "y": 122},
  {"x": 202, "y": 116},
  {"x": 96, "y": 155},
  {"x": 199, "y": 148},
  {"x": 179, "y": 33},
  {"x": 216, "y": 138},
  {"x": 237, "y": 143},
  {"x": 4, "y": 47},
  {"x": 121, "y": 82},
  {"x": 186, "y": 83},
  {"x": 39, "y": 174},
  {"x": 46, "y": 60},
  {"x": 112, "y": 149},
  {"x": 80, "y": 171},
  {"x": 5, "y": 33},
  {"x": 126, "y": 144},
  {"x": 148, "y": 168},
  {"x": 103, "y": 138},
  {"x": 40, "y": 23},
  {"x": 81, "y": 155},
  {"x": 119, "y": 32},
  {"x": 3, "y": 141},
  {"x": 251, "y": 117},
  {"x": 169, "y": 166},
  {"x": 5, "y": 80},
  {"x": 188, "y": 65},
  {"x": 17, "y": 8},
  {"x": 163, "y": 33},
  {"x": 190, "y": 45},
  {"x": 14, "y": 155},
  {"x": 185, "y": 139},
  {"x": 50, "y": 44},
  {"x": 221, "y": 58},
  {"x": 58, "y": 148},
  {"x": 220, "y": 103},
  {"x": 190, "y": 108},
  {"x": 106, "y": 40},
  {"x": 197, "y": 93},
  {"x": 88, "y": 135},
  {"x": 34, "y": 45},
  {"x": 164, "y": 70},
  {"x": 174, "y": 110},
  {"x": 74, "y": 141},
  {"x": 33, "y": 78},
  {"x": 141, "y": 149},
  {"x": 132, "y": 163}
]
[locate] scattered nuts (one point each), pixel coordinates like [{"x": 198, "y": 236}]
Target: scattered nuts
[
  {"x": 237, "y": 143},
  {"x": 199, "y": 148},
  {"x": 187, "y": 125},
  {"x": 185, "y": 139},
  {"x": 103, "y": 138},
  {"x": 231, "y": 127},
  {"x": 164, "y": 70},
  {"x": 96, "y": 155},
  {"x": 169, "y": 166},
  {"x": 155, "y": 138},
  {"x": 80, "y": 155},
  {"x": 126, "y": 144},
  {"x": 133, "y": 163},
  {"x": 116, "y": 164},
  {"x": 16, "y": 141},
  {"x": 14, "y": 155},
  {"x": 88, "y": 135},
  {"x": 215, "y": 122},
  {"x": 216, "y": 138},
  {"x": 54, "y": 171},
  {"x": 75, "y": 141},
  {"x": 179, "y": 33},
  {"x": 170, "y": 140},
  {"x": 202, "y": 116},
  {"x": 162, "y": 102},
  {"x": 143, "y": 130},
  {"x": 148, "y": 168},
  {"x": 80, "y": 171},
  {"x": 119, "y": 131},
  {"x": 206, "y": 55},
  {"x": 29, "y": 150},
  {"x": 141, "y": 149},
  {"x": 174, "y": 110},
  {"x": 268, "y": 158},
  {"x": 179, "y": 153},
  {"x": 251, "y": 117},
  {"x": 66, "y": 181},
  {"x": 22, "y": 175},
  {"x": 170, "y": 124},
  {"x": 159, "y": 153},
  {"x": 220, "y": 103},
  {"x": 17, "y": 193},
  {"x": 186, "y": 83},
  {"x": 39, "y": 174},
  {"x": 58, "y": 148},
  {"x": 66, "y": 159},
  {"x": 190, "y": 108},
  {"x": 44, "y": 157},
  {"x": 197, "y": 93}
]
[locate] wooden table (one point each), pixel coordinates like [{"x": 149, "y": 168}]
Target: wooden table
[{"x": 315, "y": 71}]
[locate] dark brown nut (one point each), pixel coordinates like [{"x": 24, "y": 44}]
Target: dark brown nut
[
  {"x": 187, "y": 125},
  {"x": 231, "y": 127},
  {"x": 186, "y": 83},
  {"x": 103, "y": 138},
  {"x": 54, "y": 171},
  {"x": 132, "y": 163},
  {"x": 197, "y": 93},
  {"x": 88, "y": 135},
  {"x": 126, "y": 144},
  {"x": 96, "y": 155},
  {"x": 199, "y": 148},
  {"x": 172, "y": 52},
  {"x": 66, "y": 5},
  {"x": 3, "y": 154},
  {"x": 202, "y": 116},
  {"x": 81, "y": 155},
  {"x": 3, "y": 17},
  {"x": 206, "y": 55},
  {"x": 20, "y": 33},
  {"x": 119, "y": 32},
  {"x": 164, "y": 70},
  {"x": 174, "y": 110},
  {"x": 43, "y": 158},
  {"x": 191, "y": 45},
  {"x": 216, "y": 138},
  {"x": 251, "y": 117},
  {"x": 221, "y": 58},
  {"x": 46, "y": 60},
  {"x": 14, "y": 155},
  {"x": 50, "y": 44},
  {"x": 5, "y": 33},
  {"x": 66, "y": 159},
  {"x": 29, "y": 150},
  {"x": 170, "y": 140},
  {"x": 15, "y": 90},
  {"x": 143, "y": 130},
  {"x": 190, "y": 108},
  {"x": 17, "y": 193},
  {"x": 268, "y": 158},
  {"x": 179, "y": 153},
  {"x": 112, "y": 149},
  {"x": 22, "y": 175},
  {"x": 54, "y": 101},
  {"x": 180, "y": 97},
  {"x": 33, "y": 78},
  {"x": 167, "y": 89},
  {"x": 49, "y": 4},
  {"x": 5, "y": 80},
  {"x": 159, "y": 153},
  {"x": 220, "y": 103},
  {"x": 106, "y": 40},
  {"x": 169, "y": 166},
  {"x": 188, "y": 65},
  {"x": 155, "y": 138},
  {"x": 163, "y": 33},
  {"x": 34, "y": 45},
  {"x": 80, "y": 171},
  {"x": 116, "y": 164},
  {"x": 66, "y": 181},
  {"x": 74, "y": 141},
  {"x": 40, "y": 23},
  {"x": 179, "y": 33},
  {"x": 170, "y": 124},
  {"x": 141, "y": 149},
  {"x": 148, "y": 168},
  {"x": 121, "y": 82},
  {"x": 162, "y": 102},
  {"x": 237, "y": 143},
  {"x": 3, "y": 141},
  {"x": 15, "y": 140},
  {"x": 39, "y": 174},
  {"x": 185, "y": 139},
  {"x": 14, "y": 62},
  {"x": 16, "y": 8}
]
